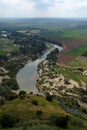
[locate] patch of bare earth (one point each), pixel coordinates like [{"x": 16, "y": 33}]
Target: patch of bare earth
[{"x": 69, "y": 44}]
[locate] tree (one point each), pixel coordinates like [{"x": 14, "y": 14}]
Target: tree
[
  {"x": 59, "y": 120},
  {"x": 22, "y": 94},
  {"x": 49, "y": 97},
  {"x": 62, "y": 121},
  {"x": 35, "y": 102},
  {"x": 8, "y": 120},
  {"x": 39, "y": 112}
]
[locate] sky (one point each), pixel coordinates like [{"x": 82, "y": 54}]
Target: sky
[{"x": 43, "y": 8}]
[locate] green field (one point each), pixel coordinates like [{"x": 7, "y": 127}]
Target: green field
[
  {"x": 79, "y": 51},
  {"x": 7, "y": 46},
  {"x": 66, "y": 33},
  {"x": 75, "y": 34}
]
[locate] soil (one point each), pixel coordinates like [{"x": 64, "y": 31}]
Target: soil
[{"x": 69, "y": 44}]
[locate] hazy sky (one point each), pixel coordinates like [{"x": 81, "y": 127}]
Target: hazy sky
[{"x": 43, "y": 8}]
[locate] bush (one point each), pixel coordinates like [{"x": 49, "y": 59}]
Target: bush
[
  {"x": 22, "y": 97},
  {"x": 49, "y": 98},
  {"x": 22, "y": 94},
  {"x": 35, "y": 102},
  {"x": 8, "y": 120},
  {"x": 39, "y": 113},
  {"x": 10, "y": 96},
  {"x": 59, "y": 120},
  {"x": 62, "y": 121}
]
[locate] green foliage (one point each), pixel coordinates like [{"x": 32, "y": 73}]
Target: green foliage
[
  {"x": 35, "y": 102},
  {"x": 30, "y": 45},
  {"x": 84, "y": 54},
  {"x": 10, "y": 96},
  {"x": 11, "y": 83},
  {"x": 52, "y": 57},
  {"x": 8, "y": 120},
  {"x": 59, "y": 120},
  {"x": 62, "y": 121},
  {"x": 39, "y": 112},
  {"x": 49, "y": 97},
  {"x": 22, "y": 94},
  {"x": 6, "y": 93}
]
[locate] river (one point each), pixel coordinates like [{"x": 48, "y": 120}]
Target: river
[{"x": 26, "y": 77}]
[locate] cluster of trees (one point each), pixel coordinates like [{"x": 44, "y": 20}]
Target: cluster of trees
[
  {"x": 8, "y": 120},
  {"x": 11, "y": 83},
  {"x": 6, "y": 93},
  {"x": 52, "y": 57},
  {"x": 51, "y": 41},
  {"x": 30, "y": 45}
]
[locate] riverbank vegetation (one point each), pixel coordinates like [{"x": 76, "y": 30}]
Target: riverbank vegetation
[{"x": 28, "y": 46}]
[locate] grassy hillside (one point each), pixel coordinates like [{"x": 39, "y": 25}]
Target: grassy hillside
[{"x": 26, "y": 111}]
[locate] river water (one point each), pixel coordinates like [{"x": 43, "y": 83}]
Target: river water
[{"x": 26, "y": 77}]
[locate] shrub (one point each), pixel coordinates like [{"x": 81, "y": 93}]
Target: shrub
[
  {"x": 62, "y": 121},
  {"x": 22, "y": 97},
  {"x": 39, "y": 113},
  {"x": 49, "y": 98},
  {"x": 10, "y": 96},
  {"x": 59, "y": 120},
  {"x": 22, "y": 94},
  {"x": 35, "y": 102},
  {"x": 8, "y": 120}
]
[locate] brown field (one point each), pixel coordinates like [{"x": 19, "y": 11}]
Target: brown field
[{"x": 69, "y": 45}]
